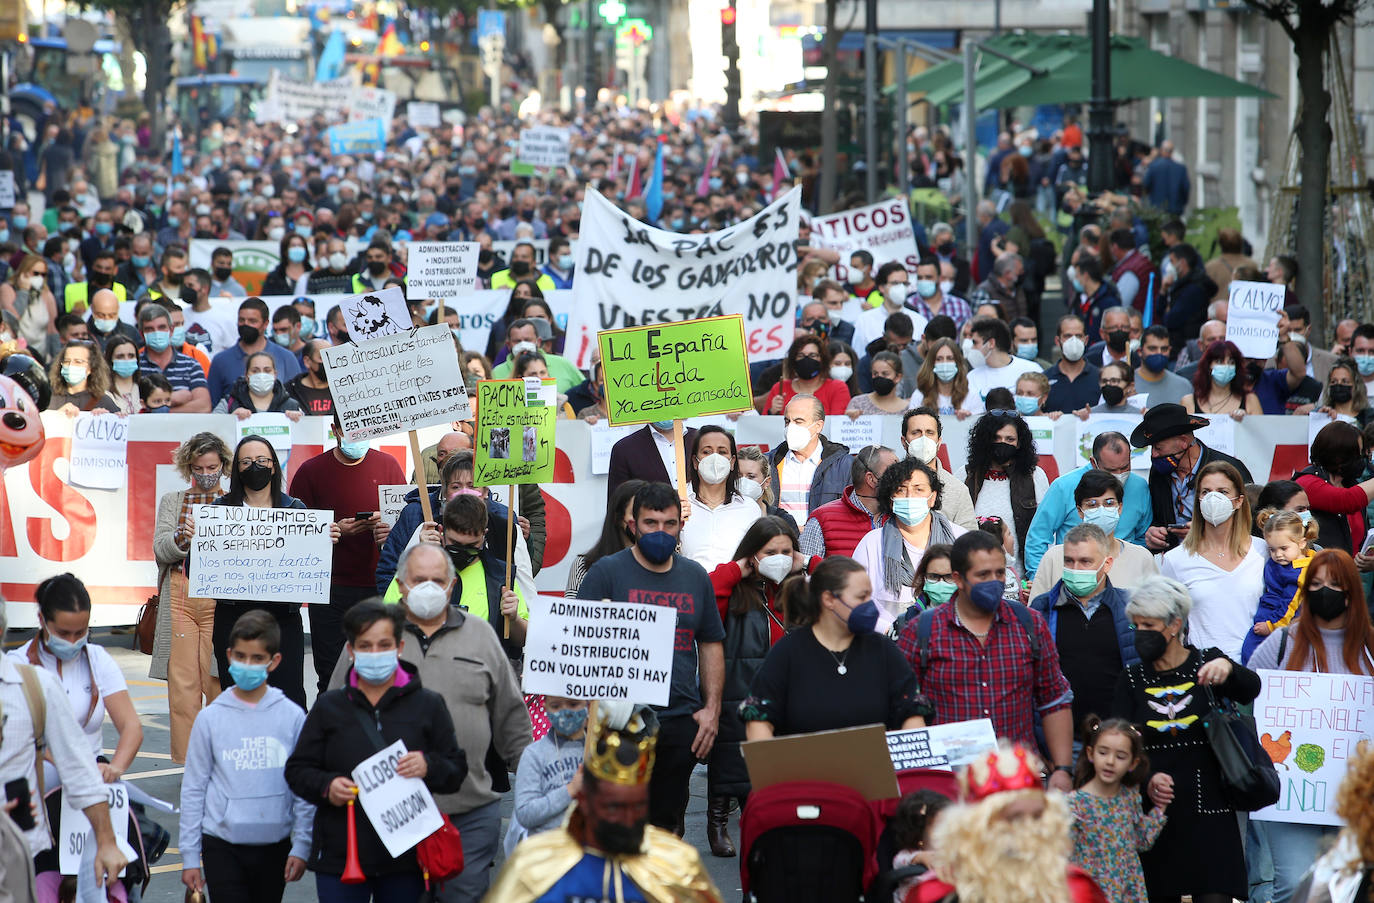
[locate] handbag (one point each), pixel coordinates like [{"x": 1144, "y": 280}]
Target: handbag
[
  {"x": 1248, "y": 778},
  {"x": 147, "y": 625}
]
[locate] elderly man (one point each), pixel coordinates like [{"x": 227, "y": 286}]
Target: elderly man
[
  {"x": 1212, "y": 331},
  {"x": 1176, "y": 457},
  {"x": 1003, "y": 286},
  {"x": 835, "y": 528},
  {"x": 808, "y": 469},
  {"x": 460, "y": 657},
  {"x": 104, "y": 321}
]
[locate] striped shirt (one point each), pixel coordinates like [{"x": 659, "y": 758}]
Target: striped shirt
[
  {"x": 794, "y": 483},
  {"x": 183, "y": 371}
]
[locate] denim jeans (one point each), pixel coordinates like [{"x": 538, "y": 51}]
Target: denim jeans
[
  {"x": 399, "y": 887},
  {"x": 1295, "y": 848}
]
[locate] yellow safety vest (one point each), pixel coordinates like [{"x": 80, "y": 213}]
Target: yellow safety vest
[{"x": 79, "y": 293}]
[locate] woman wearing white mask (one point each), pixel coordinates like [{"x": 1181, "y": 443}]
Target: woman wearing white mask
[
  {"x": 1220, "y": 562},
  {"x": 1098, "y": 500},
  {"x": 259, "y": 391},
  {"x": 26, "y": 297},
  {"x": 909, "y": 495},
  {"x": 719, "y": 515},
  {"x": 747, "y": 594},
  {"x": 755, "y": 480}
]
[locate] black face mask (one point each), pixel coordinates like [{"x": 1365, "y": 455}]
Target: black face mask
[
  {"x": 461, "y": 555},
  {"x": 619, "y": 839},
  {"x": 1327, "y": 603},
  {"x": 883, "y": 386},
  {"x": 376, "y": 267},
  {"x": 1150, "y": 644},
  {"x": 946, "y": 249},
  {"x": 1340, "y": 394},
  {"x": 1117, "y": 339},
  {"x": 249, "y": 335},
  {"x": 1113, "y": 395},
  {"x": 173, "y": 278},
  {"x": 807, "y": 367},
  {"x": 223, "y": 273},
  {"x": 256, "y": 476},
  {"x": 519, "y": 268},
  {"x": 1002, "y": 453},
  {"x": 484, "y": 257}
]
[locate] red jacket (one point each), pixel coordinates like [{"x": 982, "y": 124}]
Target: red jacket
[
  {"x": 844, "y": 522},
  {"x": 1082, "y": 889},
  {"x": 1138, "y": 263},
  {"x": 727, "y": 576}
]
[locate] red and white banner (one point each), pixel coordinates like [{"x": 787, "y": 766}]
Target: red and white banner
[{"x": 882, "y": 229}]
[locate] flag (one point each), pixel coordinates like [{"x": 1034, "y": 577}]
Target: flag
[
  {"x": 653, "y": 198},
  {"x": 632, "y": 178},
  {"x": 390, "y": 45},
  {"x": 614, "y": 172},
  {"x": 1148, "y": 316},
  {"x": 331, "y": 62},
  {"x": 780, "y": 173},
  {"x": 178, "y": 167},
  {"x": 704, "y": 183}
]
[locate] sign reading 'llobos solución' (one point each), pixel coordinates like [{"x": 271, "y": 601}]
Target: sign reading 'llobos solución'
[{"x": 674, "y": 371}]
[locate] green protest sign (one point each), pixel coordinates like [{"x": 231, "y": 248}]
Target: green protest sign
[
  {"x": 515, "y": 423},
  {"x": 673, "y": 371}
]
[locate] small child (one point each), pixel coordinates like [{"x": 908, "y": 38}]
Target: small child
[
  {"x": 1001, "y": 531},
  {"x": 550, "y": 771},
  {"x": 156, "y": 393},
  {"x": 1110, "y": 828},
  {"x": 1032, "y": 391},
  {"x": 911, "y": 825},
  {"x": 1290, "y": 551},
  {"x": 241, "y": 826}
]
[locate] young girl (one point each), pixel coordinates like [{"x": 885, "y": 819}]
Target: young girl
[
  {"x": 911, "y": 826},
  {"x": 550, "y": 771},
  {"x": 156, "y": 394},
  {"x": 1290, "y": 550},
  {"x": 1109, "y": 828}
]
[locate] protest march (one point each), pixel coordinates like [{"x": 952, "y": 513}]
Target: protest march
[{"x": 656, "y": 528}]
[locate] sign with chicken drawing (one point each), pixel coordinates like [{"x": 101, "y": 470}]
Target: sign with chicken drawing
[{"x": 1310, "y": 724}]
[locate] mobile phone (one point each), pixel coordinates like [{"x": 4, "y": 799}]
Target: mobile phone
[
  {"x": 363, "y": 515},
  {"x": 18, "y": 789},
  {"x": 1179, "y": 529},
  {"x": 1368, "y": 542}
]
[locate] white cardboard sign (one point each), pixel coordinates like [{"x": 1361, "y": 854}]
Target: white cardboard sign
[
  {"x": 261, "y": 554},
  {"x": 401, "y": 809},
  {"x": 600, "y": 650},
  {"x": 372, "y": 315},
  {"x": 397, "y": 383},
  {"x": 422, "y": 114},
  {"x": 941, "y": 746},
  {"x": 391, "y": 501},
  {"x": 6, "y": 188},
  {"x": 100, "y": 446},
  {"x": 544, "y": 146},
  {"x": 1252, "y": 318},
  {"x": 77, "y": 838},
  {"x": 882, "y": 229},
  {"x": 442, "y": 269},
  {"x": 373, "y": 103}
]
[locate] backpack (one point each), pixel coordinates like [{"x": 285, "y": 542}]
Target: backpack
[{"x": 927, "y": 621}]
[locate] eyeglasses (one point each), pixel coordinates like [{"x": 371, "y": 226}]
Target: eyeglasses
[
  {"x": 1094, "y": 504},
  {"x": 1113, "y": 381},
  {"x": 1003, "y": 412},
  {"x": 940, "y": 578},
  {"x": 261, "y": 461}
]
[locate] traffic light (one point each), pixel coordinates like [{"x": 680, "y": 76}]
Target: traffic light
[
  {"x": 160, "y": 59},
  {"x": 729, "y": 43}
]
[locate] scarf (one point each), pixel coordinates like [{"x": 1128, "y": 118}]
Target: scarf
[{"x": 898, "y": 569}]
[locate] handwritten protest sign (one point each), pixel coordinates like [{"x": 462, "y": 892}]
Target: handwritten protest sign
[
  {"x": 372, "y": 315},
  {"x": 1219, "y": 434},
  {"x": 600, "y": 650},
  {"x": 675, "y": 371},
  {"x": 100, "y": 446},
  {"x": 604, "y": 438},
  {"x": 397, "y": 383},
  {"x": 1252, "y": 317},
  {"x": 76, "y": 837},
  {"x": 400, "y": 809},
  {"x": 515, "y": 434},
  {"x": 882, "y": 229},
  {"x": 361, "y": 136},
  {"x": 261, "y": 554},
  {"x": 391, "y": 501},
  {"x": 366, "y": 102},
  {"x": 942, "y": 746},
  {"x": 6, "y": 188},
  {"x": 1310, "y": 724},
  {"x": 287, "y": 100},
  {"x": 855, "y": 433},
  {"x": 442, "y": 269},
  {"x": 544, "y": 146},
  {"x": 422, "y": 114},
  {"x": 1088, "y": 430},
  {"x": 630, "y": 274}
]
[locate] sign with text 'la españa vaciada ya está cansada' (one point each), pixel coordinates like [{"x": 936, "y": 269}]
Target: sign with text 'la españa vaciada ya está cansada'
[{"x": 673, "y": 371}]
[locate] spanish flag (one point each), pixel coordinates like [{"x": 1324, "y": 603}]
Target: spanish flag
[
  {"x": 204, "y": 46},
  {"x": 390, "y": 45}
]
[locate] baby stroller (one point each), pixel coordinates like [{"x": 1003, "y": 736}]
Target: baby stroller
[{"x": 807, "y": 841}]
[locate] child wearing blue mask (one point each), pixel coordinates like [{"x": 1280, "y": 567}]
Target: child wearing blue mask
[
  {"x": 242, "y": 829},
  {"x": 550, "y": 771}
]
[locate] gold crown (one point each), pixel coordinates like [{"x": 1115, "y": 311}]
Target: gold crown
[{"x": 621, "y": 755}]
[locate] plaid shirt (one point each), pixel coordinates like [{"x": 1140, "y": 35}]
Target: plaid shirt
[
  {"x": 954, "y": 307},
  {"x": 188, "y": 511},
  {"x": 999, "y": 680}
]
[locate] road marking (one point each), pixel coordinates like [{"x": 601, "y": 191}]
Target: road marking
[
  {"x": 156, "y": 773},
  {"x": 164, "y": 869},
  {"x": 141, "y": 755},
  {"x": 146, "y": 683}
]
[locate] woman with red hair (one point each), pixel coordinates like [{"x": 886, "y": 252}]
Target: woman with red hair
[
  {"x": 1332, "y": 635},
  {"x": 1222, "y": 384}
]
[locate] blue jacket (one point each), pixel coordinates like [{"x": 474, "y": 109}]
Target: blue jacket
[
  {"x": 1115, "y": 599},
  {"x": 1058, "y": 514},
  {"x": 409, "y": 520}
]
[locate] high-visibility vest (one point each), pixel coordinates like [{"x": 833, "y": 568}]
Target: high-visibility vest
[{"x": 79, "y": 293}]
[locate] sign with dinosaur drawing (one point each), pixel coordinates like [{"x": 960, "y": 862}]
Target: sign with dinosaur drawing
[{"x": 373, "y": 315}]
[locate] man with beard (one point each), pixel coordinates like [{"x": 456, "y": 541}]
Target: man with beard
[
  {"x": 1007, "y": 842},
  {"x": 606, "y": 840}
]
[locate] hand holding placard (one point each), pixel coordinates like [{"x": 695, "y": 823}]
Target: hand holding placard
[{"x": 1252, "y": 318}]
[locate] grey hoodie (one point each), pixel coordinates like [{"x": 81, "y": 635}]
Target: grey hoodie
[
  {"x": 234, "y": 787},
  {"x": 541, "y": 785}
]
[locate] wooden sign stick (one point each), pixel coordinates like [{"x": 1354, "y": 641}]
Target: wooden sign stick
[
  {"x": 510, "y": 548},
  {"x": 420, "y": 482},
  {"x": 680, "y": 459}
]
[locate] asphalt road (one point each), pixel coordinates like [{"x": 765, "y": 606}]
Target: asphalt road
[{"x": 157, "y": 775}]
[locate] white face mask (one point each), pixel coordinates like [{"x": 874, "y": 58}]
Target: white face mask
[
  {"x": 261, "y": 383},
  {"x": 523, "y": 348},
  {"x": 974, "y": 356},
  {"x": 841, "y": 373},
  {"x": 923, "y": 449},
  {"x": 946, "y": 286},
  {"x": 338, "y": 260},
  {"x": 426, "y": 600},
  {"x": 798, "y": 437},
  {"x": 775, "y": 567},
  {"x": 714, "y": 468},
  {"x": 1073, "y": 348},
  {"x": 896, "y": 292},
  {"x": 1216, "y": 508},
  {"x": 276, "y": 232},
  {"x": 35, "y": 283},
  {"x": 748, "y": 488}
]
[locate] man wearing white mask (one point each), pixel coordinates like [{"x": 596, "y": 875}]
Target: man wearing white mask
[
  {"x": 892, "y": 285},
  {"x": 988, "y": 350},
  {"x": 459, "y": 656},
  {"x": 332, "y": 277},
  {"x": 921, "y": 434},
  {"x": 1073, "y": 381},
  {"x": 808, "y": 469}
]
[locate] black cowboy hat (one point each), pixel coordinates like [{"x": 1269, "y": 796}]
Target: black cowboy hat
[{"x": 1165, "y": 421}]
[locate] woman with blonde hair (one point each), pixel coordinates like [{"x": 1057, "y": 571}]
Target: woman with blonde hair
[
  {"x": 810, "y": 273},
  {"x": 27, "y": 297},
  {"x": 942, "y": 382},
  {"x": 183, "y": 653},
  {"x": 755, "y": 478}
]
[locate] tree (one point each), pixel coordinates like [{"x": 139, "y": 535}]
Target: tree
[
  {"x": 1311, "y": 26},
  {"x": 146, "y": 21},
  {"x": 829, "y": 116}
]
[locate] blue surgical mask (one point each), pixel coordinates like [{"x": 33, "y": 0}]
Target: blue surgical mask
[
  {"x": 1077, "y": 286},
  {"x": 714, "y": 183},
  {"x": 1026, "y": 406},
  {"x": 307, "y": 326},
  {"x": 142, "y": 261},
  {"x": 1222, "y": 374},
  {"x": 1106, "y": 518},
  {"x": 124, "y": 368},
  {"x": 1365, "y": 363},
  {"x": 375, "y": 667},
  {"x": 159, "y": 340},
  {"x": 247, "y": 677},
  {"x": 662, "y": 424},
  {"x": 179, "y": 336},
  {"x": 568, "y": 721},
  {"x": 4, "y": 235},
  {"x": 565, "y": 261},
  {"x": 103, "y": 229},
  {"x": 161, "y": 409},
  {"x": 64, "y": 650},
  {"x": 173, "y": 221},
  {"x": 1305, "y": 517},
  {"x": 987, "y": 595},
  {"x": 353, "y": 451},
  {"x": 245, "y": 186},
  {"x": 282, "y": 339},
  {"x": 1027, "y": 351},
  {"x": 19, "y": 222},
  {"x": 295, "y": 254},
  {"x": 911, "y": 511}
]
